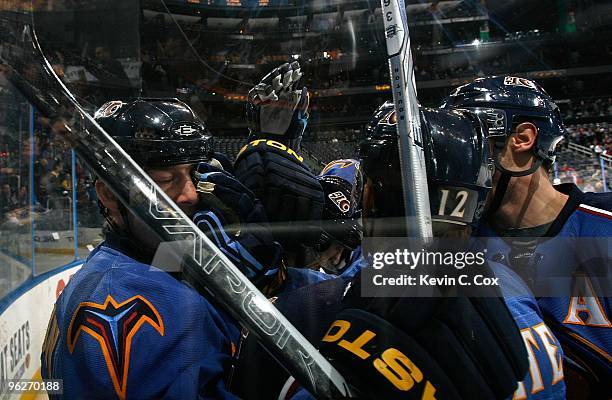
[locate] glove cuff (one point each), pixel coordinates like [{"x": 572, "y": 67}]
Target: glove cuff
[
  {"x": 290, "y": 142},
  {"x": 382, "y": 361},
  {"x": 291, "y": 194}
]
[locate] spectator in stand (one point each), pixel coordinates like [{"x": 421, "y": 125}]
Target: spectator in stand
[
  {"x": 7, "y": 199},
  {"x": 23, "y": 197},
  {"x": 111, "y": 66},
  {"x": 54, "y": 179}
]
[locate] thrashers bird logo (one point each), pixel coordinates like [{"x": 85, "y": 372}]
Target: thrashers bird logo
[{"x": 114, "y": 325}]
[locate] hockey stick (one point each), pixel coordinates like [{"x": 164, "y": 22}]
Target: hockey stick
[
  {"x": 204, "y": 262},
  {"x": 410, "y": 138}
]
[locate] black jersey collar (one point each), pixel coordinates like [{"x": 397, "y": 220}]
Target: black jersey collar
[
  {"x": 127, "y": 246},
  {"x": 573, "y": 202}
]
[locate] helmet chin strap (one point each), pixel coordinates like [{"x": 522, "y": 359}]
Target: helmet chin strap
[
  {"x": 504, "y": 180},
  {"x": 123, "y": 231},
  {"x": 109, "y": 220}
]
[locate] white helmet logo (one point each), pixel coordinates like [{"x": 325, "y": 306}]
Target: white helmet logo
[
  {"x": 185, "y": 130},
  {"x": 515, "y": 81},
  {"x": 108, "y": 109},
  {"x": 340, "y": 201}
]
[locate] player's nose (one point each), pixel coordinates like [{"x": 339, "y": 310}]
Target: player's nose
[{"x": 188, "y": 195}]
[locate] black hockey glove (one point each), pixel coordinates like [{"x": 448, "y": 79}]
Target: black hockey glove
[
  {"x": 277, "y": 108},
  {"x": 426, "y": 348},
  {"x": 236, "y": 222},
  {"x": 291, "y": 194}
]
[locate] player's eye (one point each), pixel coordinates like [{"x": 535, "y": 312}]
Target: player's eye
[{"x": 161, "y": 178}]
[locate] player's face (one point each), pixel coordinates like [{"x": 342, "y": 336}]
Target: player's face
[
  {"x": 177, "y": 183},
  {"x": 332, "y": 256}
]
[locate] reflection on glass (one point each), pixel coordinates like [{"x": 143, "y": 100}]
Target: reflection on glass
[{"x": 18, "y": 170}]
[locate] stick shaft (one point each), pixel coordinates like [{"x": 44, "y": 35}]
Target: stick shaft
[{"x": 410, "y": 138}]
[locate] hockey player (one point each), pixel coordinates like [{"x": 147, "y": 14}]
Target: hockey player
[
  {"x": 297, "y": 201},
  {"x": 458, "y": 194},
  {"x": 443, "y": 356},
  {"x": 270, "y": 164},
  {"x": 123, "y": 328},
  {"x": 535, "y": 227},
  {"x": 341, "y": 231}
]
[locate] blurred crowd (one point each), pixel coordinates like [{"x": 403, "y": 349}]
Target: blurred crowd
[
  {"x": 596, "y": 136},
  {"x": 587, "y": 108},
  {"x": 228, "y": 59},
  {"x": 39, "y": 177},
  {"x": 588, "y": 122},
  {"x": 581, "y": 170},
  {"x": 216, "y": 67}
]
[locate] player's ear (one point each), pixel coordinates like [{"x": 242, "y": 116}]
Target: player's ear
[
  {"x": 524, "y": 138},
  {"x": 106, "y": 196}
]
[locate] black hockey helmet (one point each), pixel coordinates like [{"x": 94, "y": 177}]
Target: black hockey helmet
[
  {"x": 459, "y": 166},
  {"x": 342, "y": 184},
  {"x": 157, "y": 132},
  {"x": 507, "y": 101}
]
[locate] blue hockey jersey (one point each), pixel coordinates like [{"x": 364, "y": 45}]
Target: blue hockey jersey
[
  {"x": 581, "y": 321},
  {"x": 123, "y": 329},
  {"x": 545, "y": 377}
]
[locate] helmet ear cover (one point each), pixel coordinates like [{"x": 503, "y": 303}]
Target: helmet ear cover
[
  {"x": 380, "y": 163},
  {"x": 341, "y": 219},
  {"x": 383, "y": 194},
  {"x": 458, "y": 189}
]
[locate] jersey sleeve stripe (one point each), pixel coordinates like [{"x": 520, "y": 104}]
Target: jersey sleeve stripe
[
  {"x": 591, "y": 346},
  {"x": 595, "y": 211}
]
